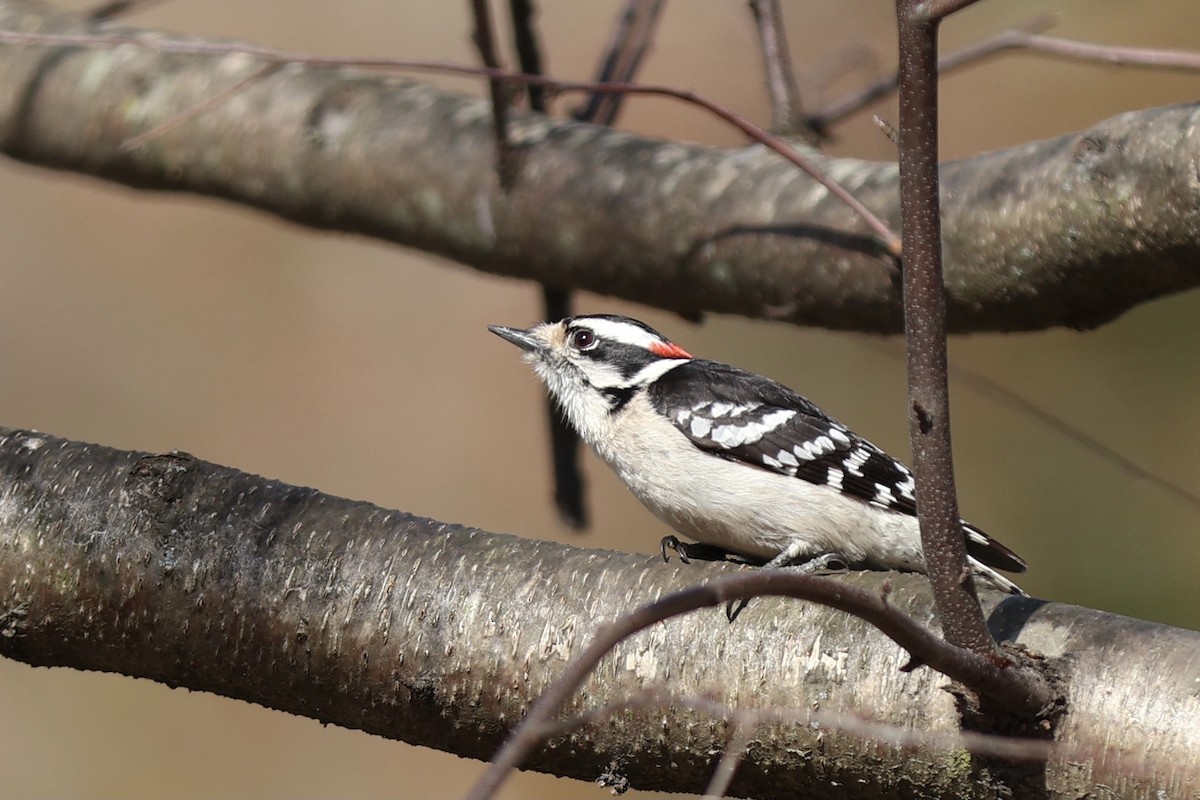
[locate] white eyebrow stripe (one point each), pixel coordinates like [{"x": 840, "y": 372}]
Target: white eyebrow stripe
[{"x": 621, "y": 332}]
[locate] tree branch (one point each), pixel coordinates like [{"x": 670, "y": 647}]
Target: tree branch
[
  {"x": 685, "y": 228},
  {"x": 196, "y": 575},
  {"x": 925, "y": 336},
  {"x": 973, "y": 669}
]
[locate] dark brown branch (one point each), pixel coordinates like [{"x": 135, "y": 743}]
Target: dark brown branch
[
  {"x": 787, "y": 109},
  {"x": 942, "y": 540},
  {"x": 1014, "y": 260},
  {"x": 1014, "y": 401},
  {"x": 934, "y": 11},
  {"x": 872, "y": 607},
  {"x": 971, "y": 54},
  {"x": 626, "y": 50},
  {"x": 484, "y": 37},
  {"x": 528, "y": 46},
  {"x": 570, "y": 497},
  {"x": 1022, "y": 38},
  {"x": 925, "y": 336}
]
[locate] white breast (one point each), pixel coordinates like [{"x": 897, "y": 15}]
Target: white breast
[{"x": 740, "y": 507}]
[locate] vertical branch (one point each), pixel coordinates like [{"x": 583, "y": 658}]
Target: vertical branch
[
  {"x": 925, "y": 333},
  {"x": 625, "y": 53},
  {"x": 529, "y": 49},
  {"x": 787, "y": 109},
  {"x": 569, "y": 495},
  {"x": 485, "y": 42}
]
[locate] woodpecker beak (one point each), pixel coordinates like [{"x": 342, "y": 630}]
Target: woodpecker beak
[{"x": 524, "y": 339}]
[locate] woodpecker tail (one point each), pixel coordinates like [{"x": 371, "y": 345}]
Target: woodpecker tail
[{"x": 994, "y": 578}]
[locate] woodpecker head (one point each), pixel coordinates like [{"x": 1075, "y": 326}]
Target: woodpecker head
[{"x": 604, "y": 356}]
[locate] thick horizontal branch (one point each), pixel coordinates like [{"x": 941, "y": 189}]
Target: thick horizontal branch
[
  {"x": 196, "y": 575},
  {"x": 1068, "y": 232}
]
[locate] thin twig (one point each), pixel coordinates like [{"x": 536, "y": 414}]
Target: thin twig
[
  {"x": 485, "y": 42},
  {"x": 1007, "y": 397},
  {"x": 999, "y": 393},
  {"x": 934, "y": 11},
  {"x": 980, "y": 673},
  {"x": 569, "y": 494},
  {"x": 987, "y": 745},
  {"x": 134, "y": 142},
  {"x": 626, "y": 50},
  {"x": 745, "y": 723},
  {"x": 1023, "y": 38},
  {"x": 850, "y": 102},
  {"x": 889, "y": 242},
  {"x": 1110, "y": 54},
  {"x": 787, "y": 107},
  {"x": 529, "y": 49}
]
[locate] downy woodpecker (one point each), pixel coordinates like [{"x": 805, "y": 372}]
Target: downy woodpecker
[{"x": 732, "y": 459}]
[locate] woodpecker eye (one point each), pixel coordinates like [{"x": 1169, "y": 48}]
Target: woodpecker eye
[{"x": 583, "y": 339}]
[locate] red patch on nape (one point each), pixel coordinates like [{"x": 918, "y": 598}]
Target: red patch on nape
[{"x": 669, "y": 350}]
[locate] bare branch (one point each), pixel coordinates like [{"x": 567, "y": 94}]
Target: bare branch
[
  {"x": 925, "y": 336},
  {"x": 484, "y": 37},
  {"x": 497, "y": 77},
  {"x": 744, "y": 725},
  {"x": 969, "y": 55},
  {"x": 570, "y": 498},
  {"x": 933, "y": 11},
  {"x": 207, "y": 105},
  {"x": 787, "y": 109},
  {"x": 979, "y": 672},
  {"x": 626, "y": 50},
  {"x": 205, "y": 577},
  {"x": 1022, "y": 38},
  {"x": 311, "y": 153},
  {"x": 1181, "y": 60}
]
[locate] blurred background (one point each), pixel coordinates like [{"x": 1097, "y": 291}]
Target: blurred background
[{"x": 153, "y": 322}]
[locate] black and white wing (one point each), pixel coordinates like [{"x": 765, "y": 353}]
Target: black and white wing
[{"x": 745, "y": 417}]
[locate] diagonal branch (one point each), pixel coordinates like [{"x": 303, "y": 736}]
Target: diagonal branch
[
  {"x": 627, "y": 48},
  {"x": 976, "y": 671}
]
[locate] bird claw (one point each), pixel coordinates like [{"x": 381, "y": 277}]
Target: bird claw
[
  {"x": 673, "y": 543},
  {"x": 689, "y": 550},
  {"x": 824, "y": 564}
]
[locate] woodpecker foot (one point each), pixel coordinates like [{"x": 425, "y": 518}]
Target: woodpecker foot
[
  {"x": 824, "y": 564},
  {"x": 689, "y": 550}
]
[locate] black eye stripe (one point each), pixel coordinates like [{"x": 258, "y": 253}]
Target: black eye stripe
[{"x": 626, "y": 359}]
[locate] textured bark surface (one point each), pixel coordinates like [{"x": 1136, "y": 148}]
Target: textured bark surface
[
  {"x": 1067, "y": 232},
  {"x": 196, "y": 575}
]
